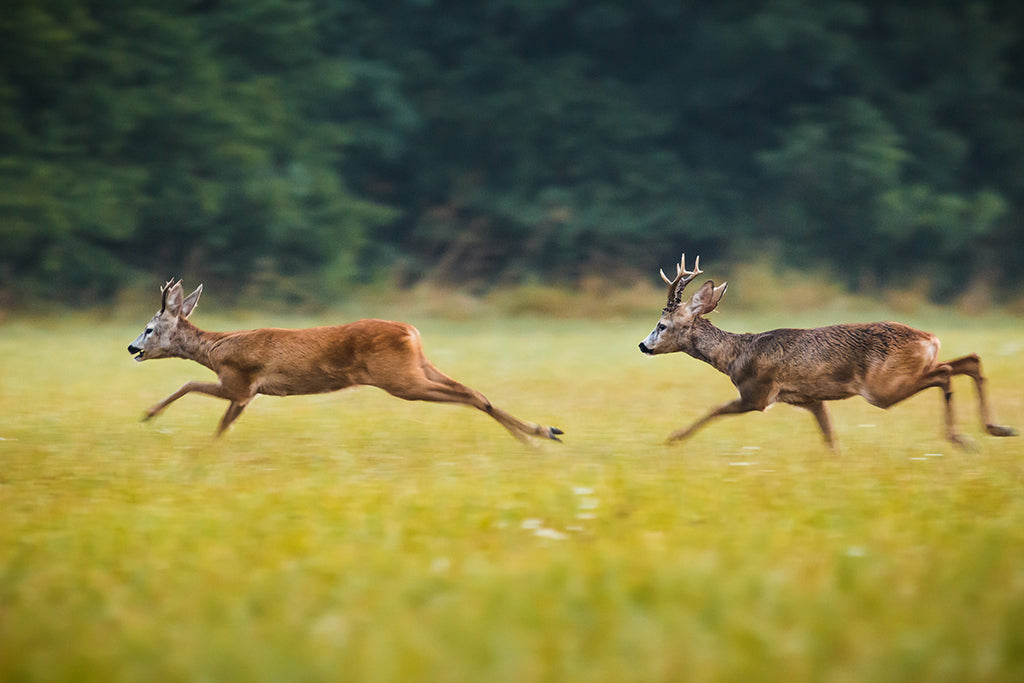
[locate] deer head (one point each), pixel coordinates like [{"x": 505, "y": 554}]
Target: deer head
[
  {"x": 677, "y": 319},
  {"x": 156, "y": 340}
]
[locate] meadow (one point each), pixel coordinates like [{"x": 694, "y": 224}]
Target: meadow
[{"x": 354, "y": 536}]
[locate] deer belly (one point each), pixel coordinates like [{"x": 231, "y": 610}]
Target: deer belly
[
  {"x": 823, "y": 391},
  {"x": 284, "y": 385}
]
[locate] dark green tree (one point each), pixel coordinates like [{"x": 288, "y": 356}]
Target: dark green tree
[{"x": 298, "y": 146}]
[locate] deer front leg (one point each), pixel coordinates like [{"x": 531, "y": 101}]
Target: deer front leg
[
  {"x": 824, "y": 420},
  {"x": 216, "y": 389},
  {"x": 230, "y": 415},
  {"x": 736, "y": 407},
  {"x": 209, "y": 388}
]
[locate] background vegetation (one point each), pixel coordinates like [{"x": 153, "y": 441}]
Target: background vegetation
[
  {"x": 293, "y": 148},
  {"x": 354, "y": 536}
]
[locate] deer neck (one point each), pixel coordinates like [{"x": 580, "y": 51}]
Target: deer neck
[
  {"x": 192, "y": 343},
  {"x": 715, "y": 347}
]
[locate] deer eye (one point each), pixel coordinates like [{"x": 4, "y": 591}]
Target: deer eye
[
  {"x": 661, "y": 327},
  {"x": 149, "y": 330}
]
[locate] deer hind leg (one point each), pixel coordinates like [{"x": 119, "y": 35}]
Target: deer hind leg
[
  {"x": 971, "y": 366},
  {"x": 940, "y": 377},
  {"x": 430, "y": 384},
  {"x": 900, "y": 380}
]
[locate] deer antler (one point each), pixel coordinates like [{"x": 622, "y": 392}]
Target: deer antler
[{"x": 683, "y": 278}]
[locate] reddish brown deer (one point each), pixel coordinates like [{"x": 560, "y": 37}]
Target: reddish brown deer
[
  {"x": 883, "y": 362},
  {"x": 279, "y": 362}
]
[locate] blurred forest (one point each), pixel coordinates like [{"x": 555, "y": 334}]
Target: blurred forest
[{"x": 307, "y": 146}]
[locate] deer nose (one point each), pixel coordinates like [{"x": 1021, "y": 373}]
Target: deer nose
[
  {"x": 644, "y": 348},
  {"x": 132, "y": 349}
]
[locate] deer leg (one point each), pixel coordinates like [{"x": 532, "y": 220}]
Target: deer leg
[
  {"x": 952, "y": 435},
  {"x": 230, "y": 415},
  {"x": 208, "y": 388},
  {"x": 513, "y": 424},
  {"x": 433, "y": 385},
  {"x": 821, "y": 414},
  {"x": 731, "y": 408},
  {"x": 940, "y": 377},
  {"x": 454, "y": 392},
  {"x": 971, "y": 366},
  {"x": 903, "y": 387}
]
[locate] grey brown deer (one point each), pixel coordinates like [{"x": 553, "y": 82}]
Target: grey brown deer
[
  {"x": 885, "y": 362},
  {"x": 284, "y": 362}
]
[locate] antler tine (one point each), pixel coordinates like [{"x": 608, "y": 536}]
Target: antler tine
[
  {"x": 682, "y": 278},
  {"x": 679, "y": 269},
  {"x": 696, "y": 269},
  {"x": 673, "y": 282}
]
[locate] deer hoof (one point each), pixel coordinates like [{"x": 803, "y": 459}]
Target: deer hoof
[
  {"x": 962, "y": 442},
  {"x": 1000, "y": 430},
  {"x": 554, "y": 432}
]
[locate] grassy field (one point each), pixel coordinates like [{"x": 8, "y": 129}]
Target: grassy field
[{"x": 354, "y": 536}]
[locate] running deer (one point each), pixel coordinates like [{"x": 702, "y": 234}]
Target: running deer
[
  {"x": 279, "y": 362},
  {"x": 883, "y": 362}
]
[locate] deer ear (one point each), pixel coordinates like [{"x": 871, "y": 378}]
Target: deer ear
[
  {"x": 163, "y": 294},
  {"x": 706, "y": 298},
  {"x": 189, "y": 304},
  {"x": 716, "y": 296},
  {"x": 173, "y": 299}
]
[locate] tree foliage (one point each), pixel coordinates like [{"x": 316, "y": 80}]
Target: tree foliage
[{"x": 307, "y": 144}]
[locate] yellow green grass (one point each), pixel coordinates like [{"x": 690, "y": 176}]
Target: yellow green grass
[{"x": 354, "y": 536}]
